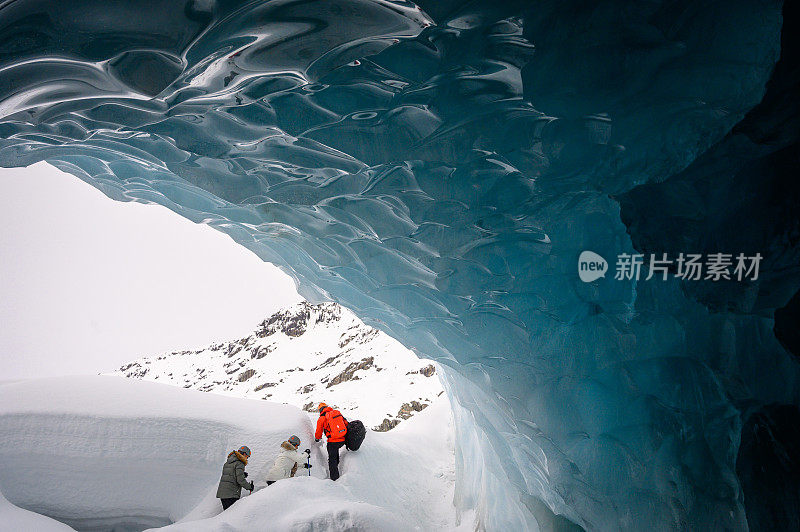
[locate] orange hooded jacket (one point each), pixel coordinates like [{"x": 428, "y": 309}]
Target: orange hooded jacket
[{"x": 335, "y": 429}]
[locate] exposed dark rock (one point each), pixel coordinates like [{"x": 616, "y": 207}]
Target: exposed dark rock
[
  {"x": 408, "y": 409},
  {"x": 243, "y": 376},
  {"x": 359, "y": 335},
  {"x": 327, "y": 362},
  {"x": 234, "y": 348},
  {"x": 386, "y": 425},
  {"x": 328, "y": 312},
  {"x": 349, "y": 373},
  {"x": 260, "y": 352},
  {"x": 265, "y": 385},
  {"x": 134, "y": 370},
  {"x": 405, "y": 412},
  {"x": 233, "y": 368},
  {"x": 307, "y": 388},
  {"x": 295, "y": 322},
  {"x": 427, "y": 371}
]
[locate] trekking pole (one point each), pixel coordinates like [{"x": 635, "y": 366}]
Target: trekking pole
[{"x": 308, "y": 460}]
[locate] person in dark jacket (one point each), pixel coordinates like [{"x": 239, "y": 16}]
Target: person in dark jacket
[
  {"x": 334, "y": 425},
  {"x": 234, "y": 477}
]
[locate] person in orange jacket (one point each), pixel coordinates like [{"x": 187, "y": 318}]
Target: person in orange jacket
[{"x": 334, "y": 425}]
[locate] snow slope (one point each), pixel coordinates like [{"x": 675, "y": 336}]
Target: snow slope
[
  {"x": 400, "y": 480},
  {"x": 102, "y": 453},
  {"x": 14, "y": 518},
  {"x": 302, "y": 355},
  {"x": 101, "y": 450}
]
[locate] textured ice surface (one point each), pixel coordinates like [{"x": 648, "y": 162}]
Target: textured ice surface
[{"x": 439, "y": 170}]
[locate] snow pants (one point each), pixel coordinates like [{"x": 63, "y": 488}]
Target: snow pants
[
  {"x": 226, "y": 503},
  {"x": 333, "y": 458}
]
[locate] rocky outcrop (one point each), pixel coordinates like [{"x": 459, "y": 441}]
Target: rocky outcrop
[
  {"x": 349, "y": 374},
  {"x": 260, "y": 352},
  {"x": 386, "y": 425},
  {"x": 427, "y": 371},
  {"x": 293, "y": 322},
  {"x": 405, "y": 412},
  {"x": 408, "y": 409},
  {"x": 246, "y": 374}
]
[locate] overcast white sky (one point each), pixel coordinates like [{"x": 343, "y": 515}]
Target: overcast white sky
[{"x": 87, "y": 283}]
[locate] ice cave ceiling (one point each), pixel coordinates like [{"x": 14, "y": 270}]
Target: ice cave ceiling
[{"x": 439, "y": 169}]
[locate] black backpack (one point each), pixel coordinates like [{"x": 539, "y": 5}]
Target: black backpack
[{"x": 355, "y": 435}]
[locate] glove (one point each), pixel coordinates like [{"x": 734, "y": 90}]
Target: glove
[
  {"x": 307, "y": 466},
  {"x": 317, "y": 440},
  {"x": 245, "y": 474}
]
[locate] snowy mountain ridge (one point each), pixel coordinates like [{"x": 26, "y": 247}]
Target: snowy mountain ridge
[{"x": 302, "y": 355}]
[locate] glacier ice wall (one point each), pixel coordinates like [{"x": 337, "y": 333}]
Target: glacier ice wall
[{"x": 438, "y": 168}]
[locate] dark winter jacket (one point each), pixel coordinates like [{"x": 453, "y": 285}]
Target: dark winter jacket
[{"x": 233, "y": 479}]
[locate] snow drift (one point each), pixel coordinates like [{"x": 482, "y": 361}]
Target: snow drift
[
  {"x": 400, "y": 480},
  {"x": 99, "y": 452},
  {"x": 103, "y": 453},
  {"x": 427, "y": 169},
  {"x": 13, "y": 518}
]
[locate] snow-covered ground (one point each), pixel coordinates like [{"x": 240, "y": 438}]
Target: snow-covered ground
[
  {"x": 302, "y": 355},
  {"x": 101, "y": 452},
  {"x": 15, "y": 518},
  {"x": 400, "y": 480}
]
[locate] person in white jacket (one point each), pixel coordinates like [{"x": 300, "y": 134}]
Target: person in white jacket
[{"x": 286, "y": 463}]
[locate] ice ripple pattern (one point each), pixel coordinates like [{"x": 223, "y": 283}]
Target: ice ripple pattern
[{"x": 438, "y": 169}]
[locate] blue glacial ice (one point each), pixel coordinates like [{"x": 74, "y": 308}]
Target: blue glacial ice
[{"x": 438, "y": 168}]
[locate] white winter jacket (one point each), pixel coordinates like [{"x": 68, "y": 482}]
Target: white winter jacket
[{"x": 285, "y": 461}]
